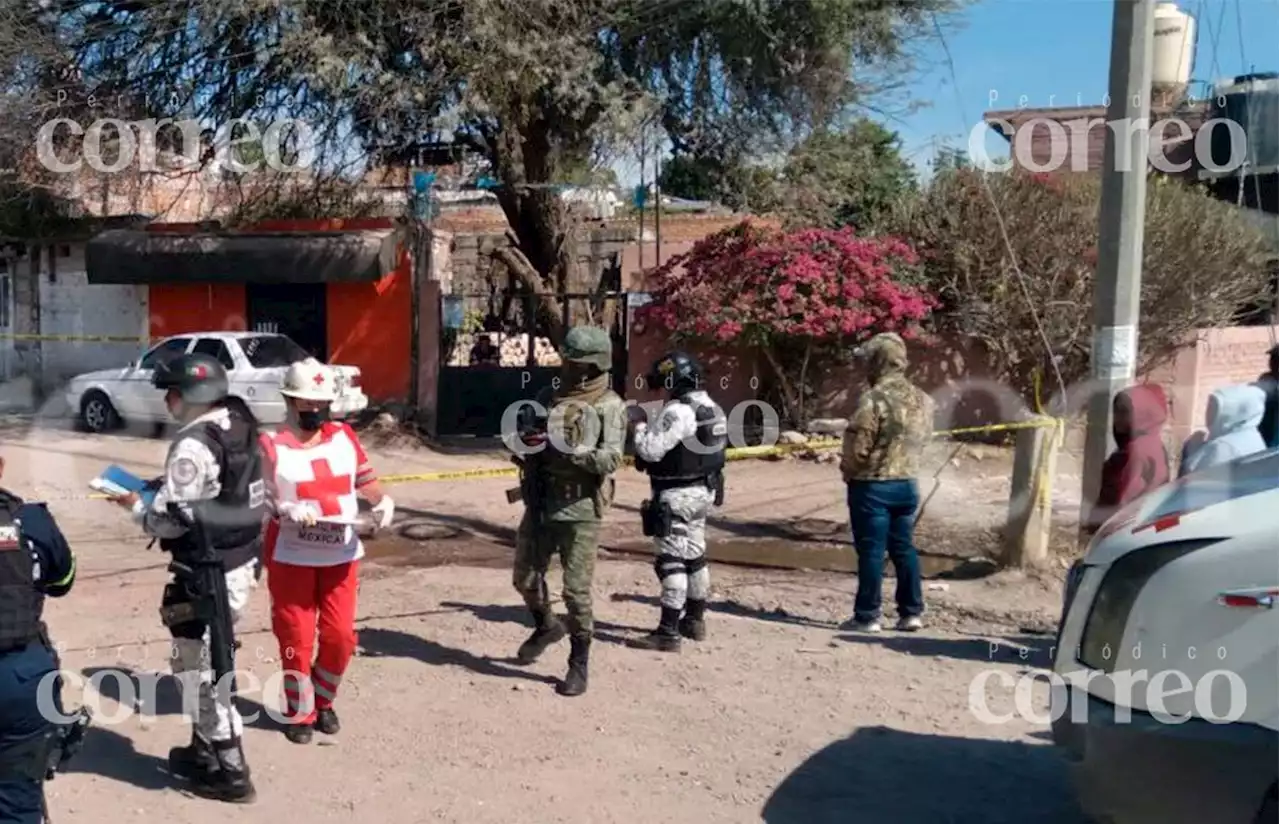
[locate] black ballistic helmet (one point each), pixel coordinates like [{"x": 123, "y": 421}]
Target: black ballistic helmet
[
  {"x": 199, "y": 379},
  {"x": 674, "y": 370}
]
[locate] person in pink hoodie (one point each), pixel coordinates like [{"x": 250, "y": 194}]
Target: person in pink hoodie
[{"x": 1140, "y": 462}]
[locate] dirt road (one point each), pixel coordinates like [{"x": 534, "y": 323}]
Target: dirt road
[{"x": 778, "y": 716}]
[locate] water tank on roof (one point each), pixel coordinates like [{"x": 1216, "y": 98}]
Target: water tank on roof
[
  {"x": 1173, "y": 51},
  {"x": 1251, "y": 101}
]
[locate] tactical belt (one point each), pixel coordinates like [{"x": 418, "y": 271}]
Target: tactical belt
[{"x": 663, "y": 484}]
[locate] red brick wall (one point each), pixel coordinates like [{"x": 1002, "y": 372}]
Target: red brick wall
[
  {"x": 1219, "y": 357},
  {"x": 736, "y": 375},
  {"x": 955, "y": 372}
]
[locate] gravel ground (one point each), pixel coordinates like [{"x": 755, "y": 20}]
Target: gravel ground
[{"x": 778, "y": 716}]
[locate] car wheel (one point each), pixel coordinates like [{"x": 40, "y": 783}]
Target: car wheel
[{"x": 96, "y": 412}]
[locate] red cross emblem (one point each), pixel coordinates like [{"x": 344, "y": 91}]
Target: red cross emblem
[
  {"x": 319, "y": 378},
  {"x": 198, "y": 371},
  {"x": 326, "y": 488}
]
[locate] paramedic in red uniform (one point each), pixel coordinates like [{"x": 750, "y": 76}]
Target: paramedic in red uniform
[{"x": 314, "y": 469}]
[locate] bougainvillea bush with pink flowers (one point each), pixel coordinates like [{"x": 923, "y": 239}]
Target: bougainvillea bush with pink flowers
[{"x": 800, "y": 298}]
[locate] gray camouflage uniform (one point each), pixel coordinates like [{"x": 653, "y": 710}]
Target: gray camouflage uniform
[{"x": 689, "y": 504}]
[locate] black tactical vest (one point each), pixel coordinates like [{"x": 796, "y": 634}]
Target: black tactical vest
[
  {"x": 233, "y": 521},
  {"x": 683, "y": 463},
  {"x": 20, "y": 602}
]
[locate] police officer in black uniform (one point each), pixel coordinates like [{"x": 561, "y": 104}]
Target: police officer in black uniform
[
  {"x": 214, "y": 474},
  {"x": 684, "y": 456},
  {"x": 35, "y": 735}
]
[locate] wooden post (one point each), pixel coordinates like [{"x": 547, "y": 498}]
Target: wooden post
[{"x": 1030, "y": 520}]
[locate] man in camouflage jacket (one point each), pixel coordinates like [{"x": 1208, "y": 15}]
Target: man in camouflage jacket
[
  {"x": 567, "y": 488},
  {"x": 880, "y": 461}
]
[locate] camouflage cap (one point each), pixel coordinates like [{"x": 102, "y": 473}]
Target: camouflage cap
[
  {"x": 589, "y": 344},
  {"x": 886, "y": 351}
]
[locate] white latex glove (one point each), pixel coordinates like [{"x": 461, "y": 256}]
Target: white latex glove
[
  {"x": 298, "y": 513},
  {"x": 384, "y": 511}
]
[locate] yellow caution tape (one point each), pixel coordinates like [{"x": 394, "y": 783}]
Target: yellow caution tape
[
  {"x": 734, "y": 454},
  {"x": 459, "y": 475},
  {"x": 73, "y": 338}
]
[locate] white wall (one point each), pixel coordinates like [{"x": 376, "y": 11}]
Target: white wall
[{"x": 69, "y": 305}]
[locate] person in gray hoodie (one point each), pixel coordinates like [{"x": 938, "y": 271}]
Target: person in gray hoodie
[{"x": 1232, "y": 415}]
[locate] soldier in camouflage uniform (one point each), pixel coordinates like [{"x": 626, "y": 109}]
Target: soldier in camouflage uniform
[
  {"x": 880, "y": 461},
  {"x": 567, "y": 487}
]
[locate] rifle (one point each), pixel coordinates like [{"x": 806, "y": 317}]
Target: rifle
[
  {"x": 204, "y": 573},
  {"x": 531, "y": 429}
]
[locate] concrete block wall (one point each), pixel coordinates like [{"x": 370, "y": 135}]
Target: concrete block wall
[{"x": 70, "y": 305}]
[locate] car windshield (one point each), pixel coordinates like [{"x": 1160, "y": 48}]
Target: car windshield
[{"x": 269, "y": 351}]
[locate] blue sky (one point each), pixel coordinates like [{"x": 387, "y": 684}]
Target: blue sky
[{"x": 1036, "y": 48}]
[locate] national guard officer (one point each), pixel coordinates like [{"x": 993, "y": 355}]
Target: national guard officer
[
  {"x": 567, "y": 487},
  {"x": 684, "y": 456},
  {"x": 35, "y": 561},
  {"x": 213, "y": 473}
]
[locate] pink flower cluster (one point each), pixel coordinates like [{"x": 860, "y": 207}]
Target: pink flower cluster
[{"x": 756, "y": 284}]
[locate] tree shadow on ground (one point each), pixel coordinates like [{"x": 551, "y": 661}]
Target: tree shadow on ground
[
  {"x": 155, "y": 694},
  {"x": 803, "y": 530},
  {"x": 772, "y": 616},
  {"x": 111, "y": 755},
  {"x": 506, "y": 614},
  {"x": 885, "y": 776},
  {"x": 376, "y": 642},
  {"x": 1026, "y": 650}
]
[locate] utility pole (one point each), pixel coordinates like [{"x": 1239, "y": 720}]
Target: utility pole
[
  {"x": 1120, "y": 226},
  {"x": 657, "y": 207},
  {"x": 641, "y": 191}
]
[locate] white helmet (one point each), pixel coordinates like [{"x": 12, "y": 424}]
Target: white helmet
[{"x": 309, "y": 380}]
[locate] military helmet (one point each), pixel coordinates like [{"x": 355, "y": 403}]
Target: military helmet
[
  {"x": 198, "y": 378},
  {"x": 590, "y": 345},
  {"x": 674, "y": 370}
]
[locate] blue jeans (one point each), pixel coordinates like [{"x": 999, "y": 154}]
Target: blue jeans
[
  {"x": 882, "y": 514},
  {"x": 21, "y": 674}
]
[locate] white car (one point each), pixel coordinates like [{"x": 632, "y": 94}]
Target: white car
[
  {"x": 255, "y": 363},
  {"x": 1165, "y": 675}
]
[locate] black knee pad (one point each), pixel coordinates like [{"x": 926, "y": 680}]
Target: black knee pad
[{"x": 664, "y": 565}]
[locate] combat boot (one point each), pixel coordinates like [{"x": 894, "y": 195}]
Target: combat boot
[
  {"x": 666, "y": 638},
  {"x": 192, "y": 760},
  {"x": 229, "y": 781},
  {"x": 693, "y": 625},
  {"x": 548, "y": 630},
  {"x": 575, "y": 680}
]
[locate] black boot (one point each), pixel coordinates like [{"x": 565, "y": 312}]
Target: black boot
[
  {"x": 298, "y": 733},
  {"x": 229, "y": 781},
  {"x": 575, "y": 680},
  {"x": 327, "y": 721},
  {"x": 693, "y": 625},
  {"x": 549, "y": 630},
  {"x": 666, "y": 638},
  {"x": 192, "y": 760}
]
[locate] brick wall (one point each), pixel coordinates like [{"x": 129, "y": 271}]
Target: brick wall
[{"x": 1217, "y": 358}]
